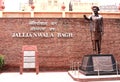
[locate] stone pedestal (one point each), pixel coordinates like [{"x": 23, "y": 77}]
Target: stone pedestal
[{"x": 94, "y": 64}]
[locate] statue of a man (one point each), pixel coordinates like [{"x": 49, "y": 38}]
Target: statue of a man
[{"x": 96, "y": 29}]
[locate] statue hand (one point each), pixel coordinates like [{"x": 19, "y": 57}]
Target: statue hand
[{"x": 84, "y": 16}]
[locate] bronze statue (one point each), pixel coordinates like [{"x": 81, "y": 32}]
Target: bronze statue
[{"x": 96, "y": 29}]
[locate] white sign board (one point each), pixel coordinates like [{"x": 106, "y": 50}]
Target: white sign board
[
  {"x": 29, "y": 65},
  {"x": 29, "y": 59},
  {"x": 29, "y": 53}
]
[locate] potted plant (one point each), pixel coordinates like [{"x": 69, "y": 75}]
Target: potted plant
[{"x": 1, "y": 61}]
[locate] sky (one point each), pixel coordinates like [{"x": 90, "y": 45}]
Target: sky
[{"x": 13, "y": 5}]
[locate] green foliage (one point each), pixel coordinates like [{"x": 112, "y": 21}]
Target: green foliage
[{"x": 1, "y": 61}]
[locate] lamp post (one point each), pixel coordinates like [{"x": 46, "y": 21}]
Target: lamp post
[
  {"x": 119, "y": 7},
  {"x": 2, "y": 6},
  {"x": 63, "y": 7},
  {"x": 32, "y": 7}
]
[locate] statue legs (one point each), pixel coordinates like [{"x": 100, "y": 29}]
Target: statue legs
[{"x": 96, "y": 46}]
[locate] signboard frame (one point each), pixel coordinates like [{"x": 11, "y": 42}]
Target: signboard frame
[{"x": 30, "y": 58}]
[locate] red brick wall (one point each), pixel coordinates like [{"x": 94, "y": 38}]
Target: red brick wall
[{"x": 56, "y": 51}]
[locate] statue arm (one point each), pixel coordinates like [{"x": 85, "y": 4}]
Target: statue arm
[
  {"x": 86, "y": 18},
  {"x": 102, "y": 24}
]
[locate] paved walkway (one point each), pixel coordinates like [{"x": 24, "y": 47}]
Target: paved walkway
[
  {"x": 32, "y": 77},
  {"x": 77, "y": 76},
  {"x": 41, "y": 77}
]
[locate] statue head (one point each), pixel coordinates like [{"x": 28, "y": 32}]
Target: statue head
[{"x": 95, "y": 7}]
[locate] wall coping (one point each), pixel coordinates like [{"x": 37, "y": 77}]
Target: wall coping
[{"x": 60, "y": 14}]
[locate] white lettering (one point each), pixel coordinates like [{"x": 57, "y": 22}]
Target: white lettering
[
  {"x": 52, "y": 29},
  {"x": 53, "y": 23},
  {"x": 38, "y": 23},
  {"x": 28, "y": 35},
  {"x": 64, "y": 35},
  {"x": 37, "y": 28}
]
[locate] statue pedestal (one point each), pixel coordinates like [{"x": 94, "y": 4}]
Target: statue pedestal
[{"x": 94, "y": 64}]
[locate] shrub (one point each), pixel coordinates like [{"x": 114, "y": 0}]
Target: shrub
[{"x": 1, "y": 61}]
